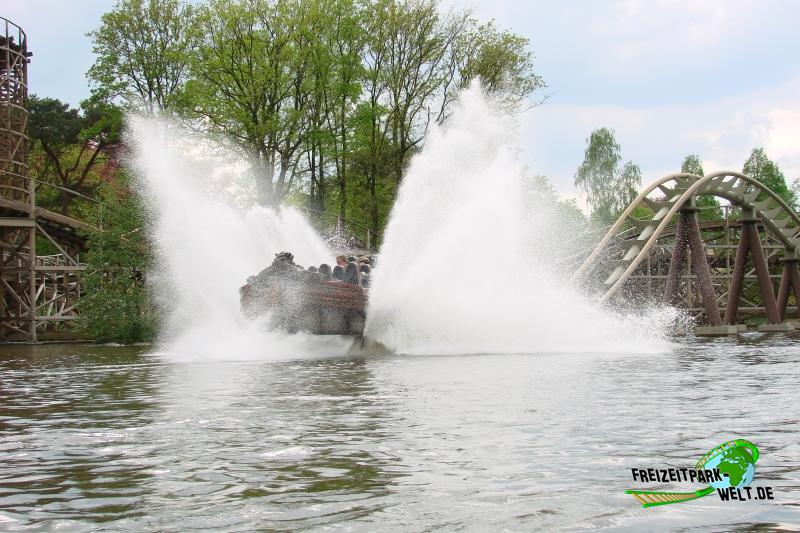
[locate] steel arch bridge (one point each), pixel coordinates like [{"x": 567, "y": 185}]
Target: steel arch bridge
[{"x": 637, "y": 253}]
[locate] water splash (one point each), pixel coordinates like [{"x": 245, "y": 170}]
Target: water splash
[
  {"x": 466, "y": 266},
  {"x": 210, "y": 236},
  {"x": 467, "y": 263}
]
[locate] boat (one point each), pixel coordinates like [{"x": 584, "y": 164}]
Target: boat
[{"x": 296, "y": 300}]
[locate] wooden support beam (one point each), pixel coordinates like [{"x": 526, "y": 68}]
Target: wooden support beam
[
  {"x": 17, "y": 222},
  {"x": 32, "y": 281},
  {"x": 58, "y": 247},
  {"x": 749, "y": 242},
  {"x": 676, "y": 262},
  {"x": 60, "y": 268},
  {"x": 790, "y": 282},
  {"x": 762, "y": 272},
  {"x": 700, "y": 267}
]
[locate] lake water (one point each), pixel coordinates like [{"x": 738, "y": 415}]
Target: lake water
[{"x": 115, "y": 438}]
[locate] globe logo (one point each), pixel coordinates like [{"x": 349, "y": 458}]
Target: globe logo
[
  {"x": 736, "y": 461},
  {"x": 726, "y": 469}
]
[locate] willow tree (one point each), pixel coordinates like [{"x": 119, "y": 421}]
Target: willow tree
[{"x": 609, "y": 189}]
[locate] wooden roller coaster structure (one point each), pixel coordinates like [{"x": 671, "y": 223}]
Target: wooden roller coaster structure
[
  {"x": 38, "y": 293},
  {"x": 638, "y": 252}
]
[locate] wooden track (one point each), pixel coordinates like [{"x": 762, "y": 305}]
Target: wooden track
[{"x": 14, "y": 208}]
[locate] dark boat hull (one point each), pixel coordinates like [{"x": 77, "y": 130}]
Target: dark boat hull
[{"x": 320, "y": 308}]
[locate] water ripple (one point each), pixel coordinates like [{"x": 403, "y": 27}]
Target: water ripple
[{"x": 111, "y": 439}]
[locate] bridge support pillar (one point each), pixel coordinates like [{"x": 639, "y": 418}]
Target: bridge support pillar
[
  {"x": 676, "y": 262},
  {"x": 749, "y": 242},
  {"x": 790, "y": 283},
  {"x": 687, "y": 236}
]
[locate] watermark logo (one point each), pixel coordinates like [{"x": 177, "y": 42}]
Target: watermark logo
[{"x": 727, "y": 469}]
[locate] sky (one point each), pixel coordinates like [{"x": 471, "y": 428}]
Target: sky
[{"x": 710, "y": 77}]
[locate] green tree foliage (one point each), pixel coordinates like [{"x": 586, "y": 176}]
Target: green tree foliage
[
  {"x": 795, "y": 190},
  {"x": 142, "y": 51},
  {"x": 331, "y": 98},
  {"x": 72, "y": 143},
  {"x": 540, "y": 192},
  {"x": 499, "y": 59},
  {"x": 251, "y": 79},
  {"x": 692, "y": 165},
  {"x": 608, "y": 187},
  {"x": 116, "y": 304},
  {"x": 709, "y": 206},
  {"x": 759, "y": 167}
]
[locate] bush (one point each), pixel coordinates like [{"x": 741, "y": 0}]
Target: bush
[{"x": 116, "y": 305}]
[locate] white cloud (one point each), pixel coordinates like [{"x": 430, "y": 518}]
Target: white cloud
[
  {"x": 658, "y": 137},
  {"x": 782, "y": 139},
  {"x": 634, "y": 31}
]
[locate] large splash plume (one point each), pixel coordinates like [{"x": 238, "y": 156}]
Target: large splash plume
[
  {"x": 210, "y": 236},
  {"x": 469, "y": 259},
  {"x": 467, "y": 265}
]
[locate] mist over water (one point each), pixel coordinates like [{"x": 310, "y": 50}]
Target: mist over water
[
  {"x": 210, "y": 236},
  {"x": 467, "y": 262}
]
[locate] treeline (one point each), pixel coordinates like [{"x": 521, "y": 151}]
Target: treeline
[
  {"x": 610, "y": 186},
  {"x": 328, "y": 98}
]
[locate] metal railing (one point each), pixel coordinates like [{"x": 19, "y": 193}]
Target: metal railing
[{"x": 343, "y": 232}]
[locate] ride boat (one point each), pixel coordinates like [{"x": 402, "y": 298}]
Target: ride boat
[{"x": 297, "y": 300}]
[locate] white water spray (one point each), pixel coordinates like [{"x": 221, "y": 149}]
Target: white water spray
[
  {"x": 210, "y": 237},
  {"x": 466, "y": 266}
]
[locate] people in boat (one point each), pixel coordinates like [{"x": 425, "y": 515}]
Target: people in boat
[
  {"x": 325, "y": 270},
  {"x": 352, "y": 274},
  {"x": 283, "y": 266}
]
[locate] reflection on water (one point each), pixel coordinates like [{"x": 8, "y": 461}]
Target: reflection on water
[{"x": 110, "y": 438}]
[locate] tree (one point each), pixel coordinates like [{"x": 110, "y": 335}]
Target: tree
[
  {"x": 709, "y": 205},
  {"x": 343, "y": 44},
  {"x": 629, "y": 181},
  {"x": 692, "y": 165},
  {"x": 251, "y": 79},
  {"x": 759, "y": 167},
  {"x": 72, "y": 141},
  {"x": 609, "y": 189},
  {"x": 328, "y": 98},
  {"x": 115, "y": 305},
  {"x": 142, "y": 51},
  {"x": 501, "y": 61},
  {"x": 795, "y": 190}
]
